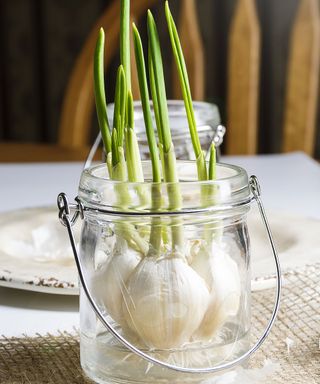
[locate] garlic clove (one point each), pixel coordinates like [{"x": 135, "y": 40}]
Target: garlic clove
[
  {"x": 201, "y": 262},
  {"x": 221, "y": 274},
  {"x": 110, "y": 284},
  {"x": 165, "y": 302}
]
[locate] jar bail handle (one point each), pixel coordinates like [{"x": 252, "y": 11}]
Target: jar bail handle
[{"x": 68, "y": 221}]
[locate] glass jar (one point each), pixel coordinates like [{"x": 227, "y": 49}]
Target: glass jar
[
  {"x": 172, "y": 276},
  {"x": 208, "y": 126}
]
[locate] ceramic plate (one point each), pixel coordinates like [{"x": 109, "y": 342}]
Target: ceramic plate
[
  {"x": 35, "y": 253},
  {"x": 297, "y": 240}
]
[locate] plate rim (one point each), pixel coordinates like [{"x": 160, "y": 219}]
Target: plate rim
[{"x": 8, "y": 280}]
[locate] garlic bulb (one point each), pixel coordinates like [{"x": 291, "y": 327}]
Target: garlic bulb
[
  {"x": 221, "y": 274},
  {"x": 165, "y": 301},
  {"x": 112, "y": 280}
]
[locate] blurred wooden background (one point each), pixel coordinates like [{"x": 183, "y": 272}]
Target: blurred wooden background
[{"x": 40, "y": 40}]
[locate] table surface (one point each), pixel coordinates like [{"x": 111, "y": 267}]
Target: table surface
[{"x": 290, "y": 183}]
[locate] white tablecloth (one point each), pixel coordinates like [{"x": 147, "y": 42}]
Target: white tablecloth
[{"x": 290, "y": 183}]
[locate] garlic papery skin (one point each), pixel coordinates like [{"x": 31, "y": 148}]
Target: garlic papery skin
[
  {"x": 111, "y": 283},
  {"x": 221, "y": 274},
  {"x": 165, "y": 302}
]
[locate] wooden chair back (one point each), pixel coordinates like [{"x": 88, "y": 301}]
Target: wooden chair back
[
  {"x": 301, "y": 103},
  {"x": 244, "y": 48},
  {"x": 244, "y": 52},
  {"x": 303, "y": 80},
  {"x": 243, "y": 80}
]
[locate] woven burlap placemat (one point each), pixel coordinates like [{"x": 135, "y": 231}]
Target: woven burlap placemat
[{"x": 293, "y": 342}]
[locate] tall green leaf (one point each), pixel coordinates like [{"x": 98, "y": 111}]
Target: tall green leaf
[
  {"x": 125, "y": 40},
  {"x": 144, "y": 92},
  {"x": 186, "y": 92},
  {"x": 99, "y": 91}
]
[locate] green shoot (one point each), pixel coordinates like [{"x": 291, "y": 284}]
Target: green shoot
[
  {"x": 162, "y": 119},
  {"x": 212, "y": 162},
  {"x": 186, "y": 92},
  {"x": 115, "y": 156},
  {"x": 119, "y": 172},
  {"x": 144, "y": 92},
  {"x": 160, "y": 89},
  {"x": 130, "y": 121},
  {"x": 135, "y": 173},
  {"x": 99, "y": 91},
  {"x": 156, "y": 229},
  {"x": 125, "y": 40},
  {"x": 120, "y": 103},
  {"x": 154, "y": 93}
]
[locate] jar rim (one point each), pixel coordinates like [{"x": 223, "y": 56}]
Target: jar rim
[
  {"x": 97, "y": 190},
  {"x": 241, "y": 172}
]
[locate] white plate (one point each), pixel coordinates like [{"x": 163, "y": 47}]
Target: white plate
[
  {"x": 297, "y": 240},
  {"x": 35, "y": 253}
]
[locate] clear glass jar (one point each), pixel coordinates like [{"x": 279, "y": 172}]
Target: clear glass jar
[
  {"x": 185, "y": 299},
  {"x": 208, "y": 126}
]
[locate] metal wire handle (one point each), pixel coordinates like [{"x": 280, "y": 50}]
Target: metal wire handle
[{"x": 68, "y": 221}]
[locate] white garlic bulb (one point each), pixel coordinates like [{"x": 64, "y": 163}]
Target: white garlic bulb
[
  {"x": 165, "y": 301},
  {"x": 113, "y": 278},
  {"x": 221, "y": 274}
]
